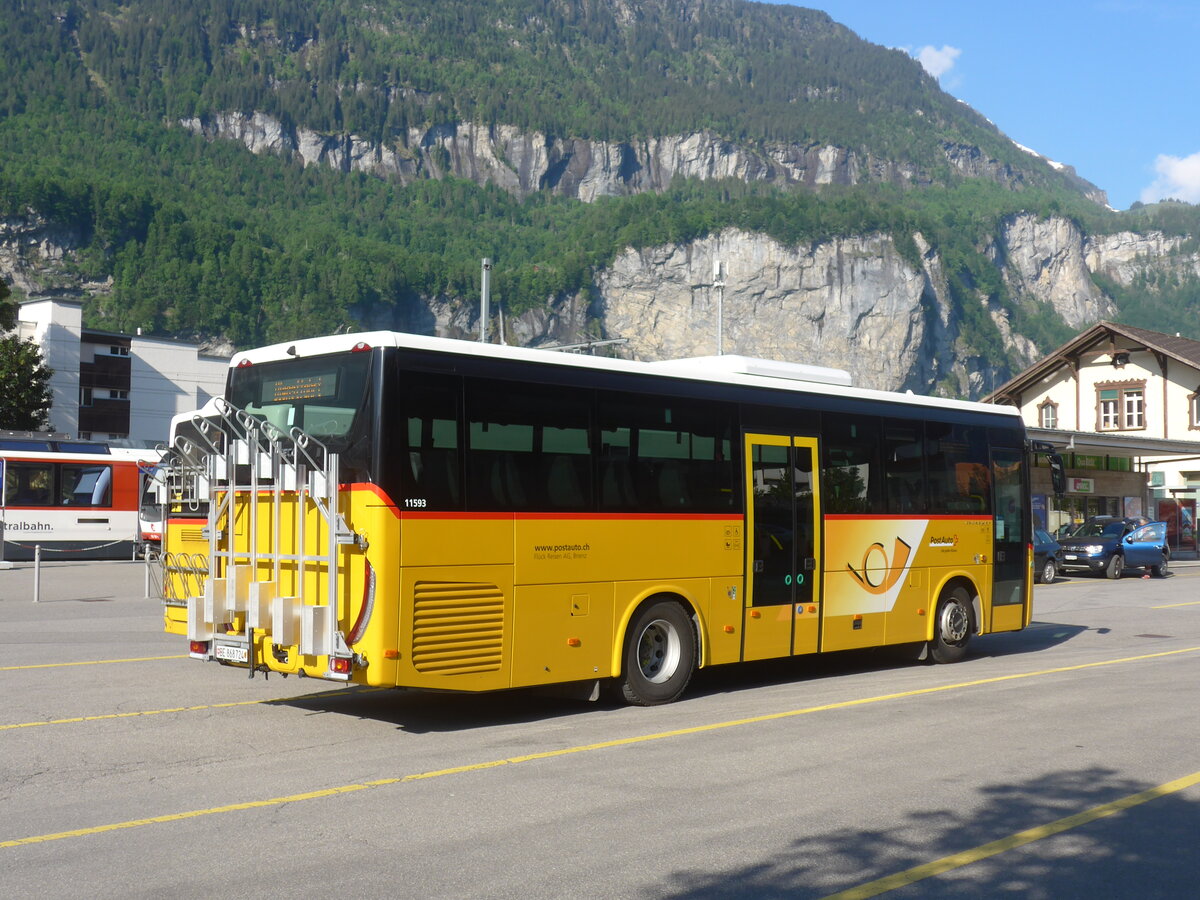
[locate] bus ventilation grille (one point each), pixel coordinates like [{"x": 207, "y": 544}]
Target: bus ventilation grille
[{"x": 458, "y": 629}]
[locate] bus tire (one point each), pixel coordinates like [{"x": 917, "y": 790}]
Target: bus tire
[
  {"x": 952, "y": 627},
  {"x": 660, "y": 654}
]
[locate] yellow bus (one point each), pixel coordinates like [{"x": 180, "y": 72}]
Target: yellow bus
[{"x": 396, "y": 510}]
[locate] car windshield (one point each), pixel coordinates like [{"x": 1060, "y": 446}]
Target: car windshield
[{"x": 1096, "y": 529}]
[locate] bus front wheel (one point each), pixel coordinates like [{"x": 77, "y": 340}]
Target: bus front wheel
[
  {"x": 953, "y": 626},
  {"x": 660, "y": 654}
]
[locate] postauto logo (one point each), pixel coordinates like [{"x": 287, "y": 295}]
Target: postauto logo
[{"x": 876, "y": 564}]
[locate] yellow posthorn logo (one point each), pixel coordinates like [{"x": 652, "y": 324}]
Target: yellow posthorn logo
[{"x": 890, "y": 570}]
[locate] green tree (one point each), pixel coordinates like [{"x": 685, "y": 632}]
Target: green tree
[
  {"x": 24, "y": 385},
  {"x": 8, "y": 309}
]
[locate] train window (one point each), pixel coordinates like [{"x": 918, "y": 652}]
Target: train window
[
  {"x": 28, "y": 484},
  {"x": 85, "y": 485}
]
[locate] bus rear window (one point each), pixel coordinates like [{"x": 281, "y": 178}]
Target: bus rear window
[{"x": 320, "y": 395}]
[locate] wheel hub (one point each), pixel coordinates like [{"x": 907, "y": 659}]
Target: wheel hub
[
  {"x": 955, "y": 623},
  {"x": 658, "y": 651}
]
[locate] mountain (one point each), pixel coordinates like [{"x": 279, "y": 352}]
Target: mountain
[{"x": 256, "y": 170}]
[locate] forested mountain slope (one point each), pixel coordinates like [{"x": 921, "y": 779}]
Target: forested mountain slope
[{"x": 255, "y": 170}]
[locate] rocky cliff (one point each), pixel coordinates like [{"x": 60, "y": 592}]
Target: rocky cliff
[
  {"x": 585, "y": 169},
  {"x": 853, "y": 302}
]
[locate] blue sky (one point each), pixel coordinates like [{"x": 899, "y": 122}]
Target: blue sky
[{"x": 1111, "y": 87}]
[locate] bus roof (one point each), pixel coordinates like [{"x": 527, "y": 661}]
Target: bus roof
[{"x": 731, "y": 369}]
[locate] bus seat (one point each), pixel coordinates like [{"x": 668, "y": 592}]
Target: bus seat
[
  {"x": 616, "y": 485},
  {"x": 505, "y": 482},
  {"x": 564, "y": 488},
  {"x": 672, "y": 492}
]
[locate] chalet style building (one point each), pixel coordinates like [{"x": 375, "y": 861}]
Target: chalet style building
[{"x": 1122, "y": 406}]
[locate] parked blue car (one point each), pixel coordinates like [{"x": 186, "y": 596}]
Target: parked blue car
[
  {"x": 1047, "y": 556},
  {"x": 1109, "y": 545}
]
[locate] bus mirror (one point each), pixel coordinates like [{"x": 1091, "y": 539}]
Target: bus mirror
[{"x": 1058, "y": 475}]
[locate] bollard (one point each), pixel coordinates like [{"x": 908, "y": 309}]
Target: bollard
[
  {"x": 146, "y": 560},
  {"x": 37, "y": 572}
]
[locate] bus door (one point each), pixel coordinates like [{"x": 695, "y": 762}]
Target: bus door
[
  {"x": 1011, "y": 534},
  {"x": 782, "y": 602}
]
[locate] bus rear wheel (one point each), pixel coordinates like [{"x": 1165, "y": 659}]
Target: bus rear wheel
[
  {"x": 952, "y": 627},
  {"x": 660, "y": 654}
]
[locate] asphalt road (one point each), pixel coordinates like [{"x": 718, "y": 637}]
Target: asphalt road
[{"x": 1062, "y": 761}]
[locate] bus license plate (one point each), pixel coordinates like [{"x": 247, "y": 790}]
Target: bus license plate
[{"x": 231, "y": 653}]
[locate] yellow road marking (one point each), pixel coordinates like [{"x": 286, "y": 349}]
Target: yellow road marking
[
  {"x": 569, "y": 751},
  {"x": 75, "y": 720},
  {"x": 90, "y": 662},
  {"x": 1020, "y": 839},
  {"x": 1173, "y": 605}
]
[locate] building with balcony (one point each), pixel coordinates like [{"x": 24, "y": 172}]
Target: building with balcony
[{"x": 115, "y": 387}]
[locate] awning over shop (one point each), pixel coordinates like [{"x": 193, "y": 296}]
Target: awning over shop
[{"x": 1147, "y": 448}]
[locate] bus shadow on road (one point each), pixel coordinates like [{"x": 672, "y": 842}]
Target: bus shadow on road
[
  {"x": 1038, "y": 636},
  {"x": 422, "y": 712},
  {"x": 425, "y": 712},
  {"x": 1138, "y": 851}
]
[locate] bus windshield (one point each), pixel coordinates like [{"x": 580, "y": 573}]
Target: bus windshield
[{"x": 320, "y": 395}]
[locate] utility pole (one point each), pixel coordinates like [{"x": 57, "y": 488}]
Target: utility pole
[
  {"x": 719, "y": 284},
  {"x": 485, "y": 299}
]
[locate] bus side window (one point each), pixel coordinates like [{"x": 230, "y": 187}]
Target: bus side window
[
  {"x": 528, "y": 446},
  {"x": 851, "y": 478},
  {"x": 666, "y": 455},
  {"x": 959, "y": 476},
  {"x": 429, "y": 459},
  {"x": 904, "y": 463}
]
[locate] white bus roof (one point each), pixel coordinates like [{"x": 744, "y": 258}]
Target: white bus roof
[{"x": 731, "y": 369}]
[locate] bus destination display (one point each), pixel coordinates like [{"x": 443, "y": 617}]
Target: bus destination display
[{"x": 307, "y": 387}]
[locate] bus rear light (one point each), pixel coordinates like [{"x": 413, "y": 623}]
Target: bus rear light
[
  {"x": 244, "y": 364},
  {"x": 198, "y": 648},
  {"x": 340, "y": 665},
  {"x": 360, "y": 347}
]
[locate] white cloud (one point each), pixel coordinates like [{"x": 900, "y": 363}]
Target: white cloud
[
  {"x": 1178, "y": 179},
  {"x": 938, "y": 62}
]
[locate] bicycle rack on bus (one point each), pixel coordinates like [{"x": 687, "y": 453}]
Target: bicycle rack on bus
[{"x": 231, "y": 463}]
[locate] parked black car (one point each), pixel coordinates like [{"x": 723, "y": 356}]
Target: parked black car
[
  {"x": 1109, "y": 544},
  {"x": 1047, "y": 556}
]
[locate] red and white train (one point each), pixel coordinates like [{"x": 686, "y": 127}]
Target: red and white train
[{"x": 75, "y": 499}]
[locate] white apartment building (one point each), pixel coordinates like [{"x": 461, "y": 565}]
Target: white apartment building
[{"x": 116, "y": 387}]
